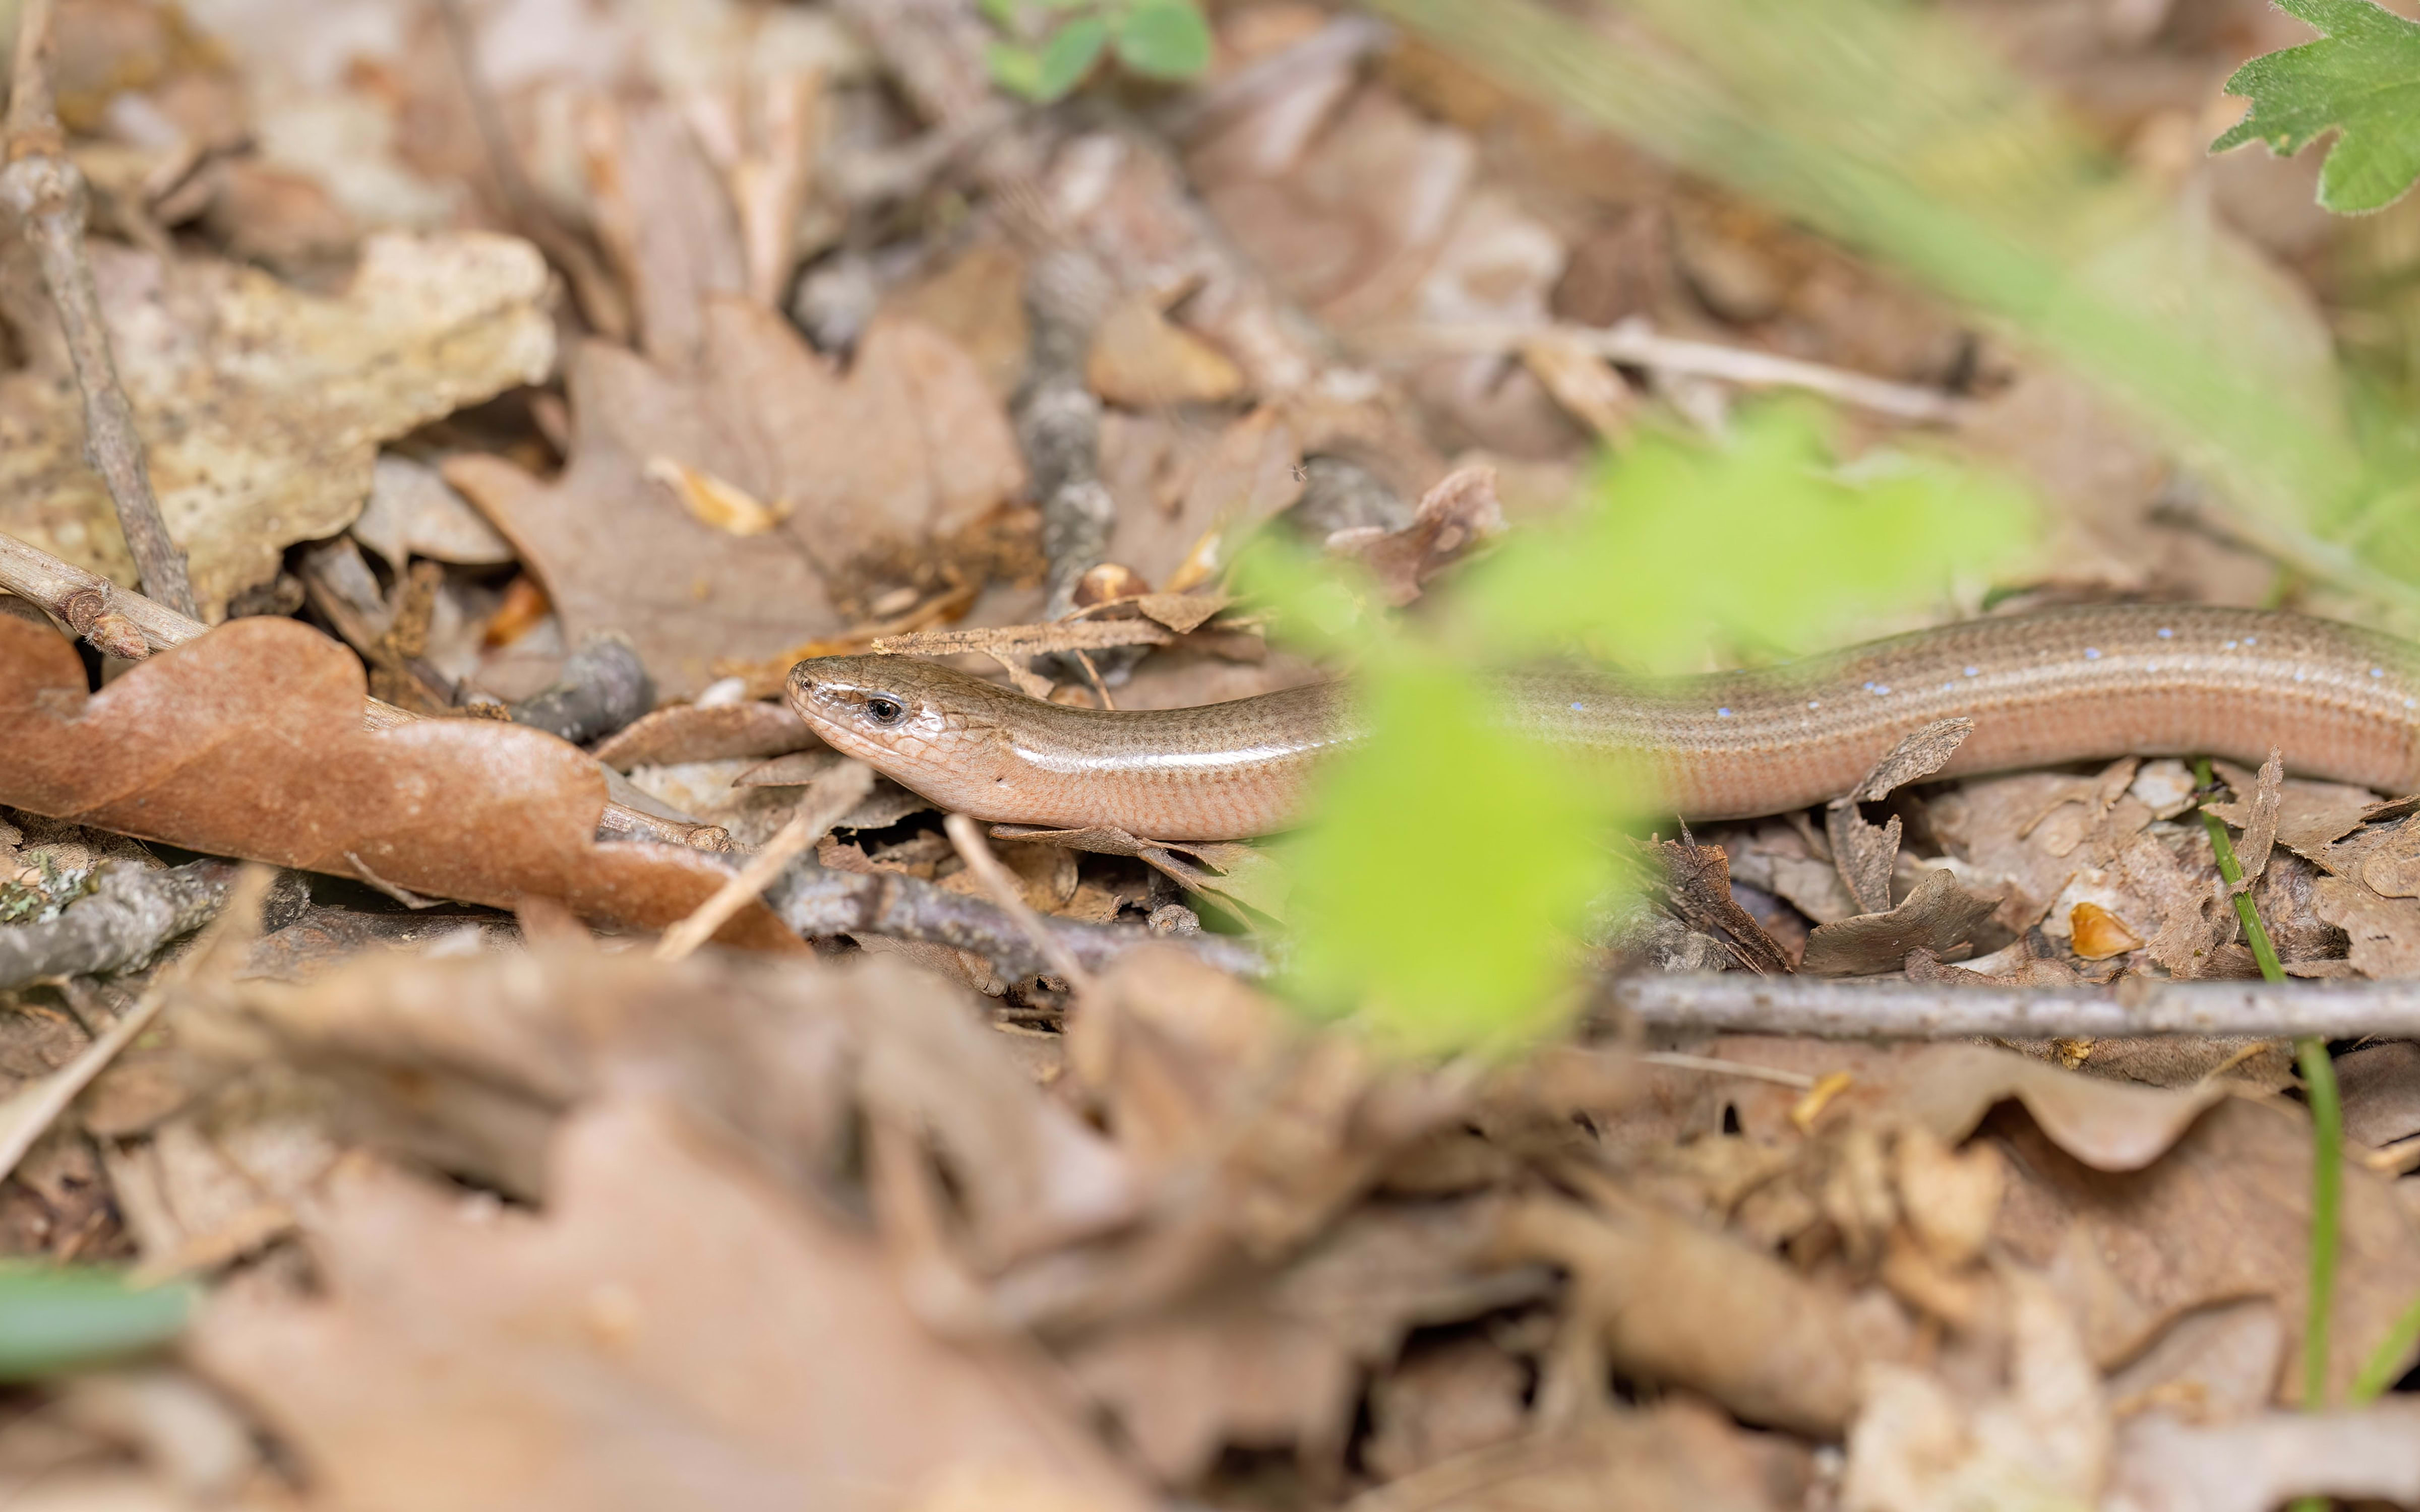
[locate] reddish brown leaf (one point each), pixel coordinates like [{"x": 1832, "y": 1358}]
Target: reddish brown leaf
[{"x": 249, "y": 742}]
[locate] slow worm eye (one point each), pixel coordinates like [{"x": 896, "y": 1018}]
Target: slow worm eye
[{"x": 883, "y": 711}]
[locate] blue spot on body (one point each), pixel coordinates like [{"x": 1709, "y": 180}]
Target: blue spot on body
[
  {"x": 1723, "y": 712},
  {"x": 2378, "y": 672},
  {"x": 2166, "y": 634},
  {"x": 1579, "y": 708},
  {"x": 2092, "y": 652},
  {"x": 1879, "y": 692},
  {"x": 1973, "y": 672},
  {"x": 2251, "y": 640},
  {"x": 2229, "y": 646},
  {"x": 1814, "y": 703}
]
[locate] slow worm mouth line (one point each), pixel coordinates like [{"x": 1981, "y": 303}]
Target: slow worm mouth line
[{"x": 2063, "y": 686}]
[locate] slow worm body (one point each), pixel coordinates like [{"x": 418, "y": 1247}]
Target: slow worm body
[{"x": 2070, "y": 684}]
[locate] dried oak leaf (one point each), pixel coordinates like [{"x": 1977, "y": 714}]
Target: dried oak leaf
[
  {"x": 1454, "y": 518},
  {"x": 248, "y": 741},
  {"x": 706, "y": 732},
  {"x": 2224, "y": 1214},
  {"x": 909, "y": 448},
  {"x": 1678, "y": 1457},
  {"x": 678, "y": 1330},
  {"x": 1940, "y": 915},
  {"x": 261, "y": 407}
]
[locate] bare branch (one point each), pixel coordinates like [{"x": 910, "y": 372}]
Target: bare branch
[
  {"x": 1930, "y": 1011},
  {"x": 42, "y": 186},
  {"x": 827, "y": 800},
  {"x": 130, "y": 913},
  {"x": 820, "y": 903}
]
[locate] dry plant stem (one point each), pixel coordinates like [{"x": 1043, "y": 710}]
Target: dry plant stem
[
  {"x": 976, "y": 851},
  {"x": 130, "y": 913},
  {"x": 1635, "y": 346},
  {"x": 1893, "y": 1009},
  {"x": 45, "y": 190},
  {"x": 827, "y": 798},
  {"x": 820, "y": 903},
  {"x": 1719, "y": 1067},
  {"x": 2327, "y": 1122}
]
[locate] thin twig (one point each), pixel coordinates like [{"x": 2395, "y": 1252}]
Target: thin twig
[
  {"x": 976, "y": 851},
  {"x": 1739, "y": 1002},
  {"x": 24, "y": 1118},
  {"x": 828, "y": 799},
  {"x": 1720, "y": 1066},
  {"x": 820, "y": 903},
  {"x": 42, "y": 186},
  {"x": 1633, "y": 344},
  {"x": 131, "y": 913}
]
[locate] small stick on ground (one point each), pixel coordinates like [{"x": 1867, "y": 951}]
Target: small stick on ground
[
  {"x": 828, "y": 799},
  {"x": 42, "y": 186},
  {"x": 976, "y": 851},
  {"x": 128, "y": 916}
]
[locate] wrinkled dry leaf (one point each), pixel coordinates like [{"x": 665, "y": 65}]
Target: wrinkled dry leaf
[
  {"x": 412, "y": 513},
  {"x": 1454, "y": 518},
  {"x": 1940, "y": 916},
  {"x": 262, "y": 408},
  {"x": 2222, "y": 1216},
  {"x": 2384, "y": 932},
  {"x": 1677, "y": 1457},
  {"x": 249, "y": 742},
  {"x": 908, "y": 450},
  {"x": 2379, "y": 1085},
  {"x": 2255, "y": 1464},
  {"x": 1143, "y": 360},
  {"x": 705, "y": 733},
  {"x": 675, "y": 1330},
  {"x": 2211, "y": 1365}
]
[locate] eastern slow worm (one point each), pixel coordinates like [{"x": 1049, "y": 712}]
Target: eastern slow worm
[{"x": 2070, "y": 684}]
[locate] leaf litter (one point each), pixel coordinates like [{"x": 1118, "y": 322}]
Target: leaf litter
[{"x": 489, "y": 1209}]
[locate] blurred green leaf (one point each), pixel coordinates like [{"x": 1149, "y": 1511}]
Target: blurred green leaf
[
  {"x": 1437, "y": 892},
  {"x": 53, "y": 1320},
  {"x": 1005, "y": 14},
  {"x": 2362, "y": 78},
  {"x": 1763, "y": 541},
  {"x": 1069, "y": 55},
  {"x": 1164, "y": 38},
  {"x": 1015, "y": 69}
]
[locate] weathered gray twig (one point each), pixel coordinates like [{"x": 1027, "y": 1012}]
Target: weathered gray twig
[
  {"x": 42, "y": 186},
  {"x": 1741, "y": 1004},
  {"x": 819, "y": 902},
  {"x": 604, "y": 687},
  {"x": 129, "y": 915}
]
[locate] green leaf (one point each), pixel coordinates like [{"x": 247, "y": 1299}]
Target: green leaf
[
  {"x": 1016, "y": 70},
  {"x": 1762, "y": 541},
  {"x": 1005, "y": 14},
  {"x": 53, "y": 1320},
  {"x": 2362, "y": 78},
  {"x": 1164, "y": 39},
  {"x": 1450, "y": 858},
  {"x": 1070, "y": 53}
]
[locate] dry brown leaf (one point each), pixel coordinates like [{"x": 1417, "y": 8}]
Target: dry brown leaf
[
  {"x": 1939, "y": 917},
  {"x": 249, "y": 742},
  {"x": 1678, "y": 1457},
  {"x": 412, "y": 513},
  {"x": 705, "y": 733},
  {"x": 262, "y": 408},
  {"x": 663, "y": 217},
  {"x": 2224, "y": 1215},
  {"x": 1455, "y": 518},
  {"x": 678, "y": 1330},
  {"x": 1251, "y": 474},
  {"x": 909, "y": 449},
  {"x": 1441, "y": 1402},
  {"x": 977, "y": 299},
  {"x": 2044, "y": 1440},
  {"x": 2380, "y": 1084},
  {"x": 2384, "y": 932},
  {"x": 2097, "y": 933},
  {"x": 2213, "y": 1364},
  {"x": 1144, "y": 361},
  {"x": 1276, "y": 1362},
  {"x": 2256, "y": 1464},
  {"x": 1677, "y": 1304}
]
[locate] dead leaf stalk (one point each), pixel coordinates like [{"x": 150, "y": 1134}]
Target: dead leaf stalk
[
  {"x": 827, "y": 798},
  {"x": 42, "y": 186},
  {"x": 966, "y": 836}
]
